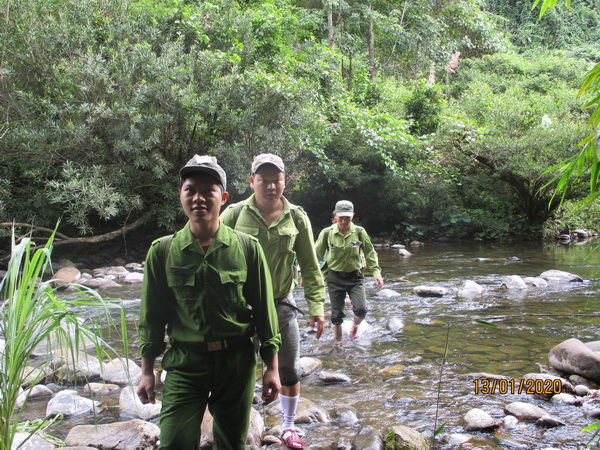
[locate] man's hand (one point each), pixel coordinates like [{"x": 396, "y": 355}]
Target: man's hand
[
  {"x": 271, "y": 383},
  {"x": 317, "y": 322},
  {"x": 379, "y": 281},
  {"x": 145, "y": 390}
]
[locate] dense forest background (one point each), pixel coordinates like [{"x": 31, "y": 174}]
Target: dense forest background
[{"x": 437, "y": 118}]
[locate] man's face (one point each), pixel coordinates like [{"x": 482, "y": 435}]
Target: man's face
[
  {"x": 268, "y": 183},
  {"x": 344, "y": 223},
  {"x": 201, "y": 198}
]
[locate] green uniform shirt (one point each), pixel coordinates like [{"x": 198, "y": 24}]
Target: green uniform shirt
[
  {"x": 207, "y": 296},
  {"x": 280, "y": 241},
  {"x": 342, "y": 253}
]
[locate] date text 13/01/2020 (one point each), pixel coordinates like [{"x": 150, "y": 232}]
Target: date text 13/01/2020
[{"x": 511, "y": 386}]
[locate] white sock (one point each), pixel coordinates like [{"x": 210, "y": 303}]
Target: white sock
[{"x": 288, "y": 409}]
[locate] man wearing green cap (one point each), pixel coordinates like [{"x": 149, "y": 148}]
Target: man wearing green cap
[
  {"x": 284, "y": 232},
  {"x": 210, "y": 288},
  {"x": 344, "y": 245}
]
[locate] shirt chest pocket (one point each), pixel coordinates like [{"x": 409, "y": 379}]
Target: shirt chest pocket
[
  {"x": 182, "y": 282},
  {"x": 286, "y": 237}
]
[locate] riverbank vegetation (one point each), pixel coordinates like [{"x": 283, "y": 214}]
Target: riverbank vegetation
[
  {"x": 40, "y": 328},
  {"x": 437, "y": 119}
]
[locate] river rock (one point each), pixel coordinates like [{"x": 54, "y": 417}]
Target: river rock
[
  {"x": 514, "y": 282},
  {"x": 478, "y": 420},
  {"x": 101, "y": 388},
  {"x": 391, "y": 372},
  {"x": 34, "y": 442},
  {"x": 310, "y": 365},
  {"x": 131, "y": 435},
  {"x": 346, "y": 416},
  {"x": 567, "y": 399},
  {"x": 130, "y": 404},
  {"x": 133, "y": 278},
  {"x": 535, "y": 281},
  {"x": 333, "y": 377},
  {"x": 430, "y": 291},
  {"x": 109, "y": 283},
  {"x": 67, "y": 275},
  {"x": 122, "y": 371},
  {"x": 388, "y": 293},
  {"x": 547, "y": 388},
  {"x": 368, "y": 438},
  {"x": 84, "y": 366},
  {"x": 134, "y": 267},
  {"x": 395, "y": 325},
  {"x": 525, "y": 411},
  {"x": 593, "y": 413},
  {"x": 456, "y": 440},
  {"x": 404, "y": 253},
  {"x": 510, "y": 422},
  {"x": 559, "y": 276},
  {"x": 573, "y": 356},
  {"x": 549, "y": 422},
  {"x": 34, "y": 375},
  {"x": 308, "y": 412},
  {"x": 578, "y": 379},
  {"x": 69, "y": 403},
  {"x": 401, "y": 436},
  {"x": 582, "y": 390},
  {"x": 93, "y": 283},
  {"x": 470, "y": 289}
]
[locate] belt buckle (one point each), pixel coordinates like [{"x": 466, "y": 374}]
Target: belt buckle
[{"x": 214, "y": 346}]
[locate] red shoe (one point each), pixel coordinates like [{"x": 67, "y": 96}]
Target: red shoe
[{"x": 291, "y": 439}]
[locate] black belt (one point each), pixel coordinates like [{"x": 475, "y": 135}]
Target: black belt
[
  {"x": 280, "y": 301},
  {"x": 213, "y": 346},
  {"x": 353, "y": 274}
]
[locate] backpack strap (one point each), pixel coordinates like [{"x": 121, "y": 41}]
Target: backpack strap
[
  {"x": 245, "y": 241},
  {"x": 237, "y": 209},
  {"x": 163, "y": 249}
]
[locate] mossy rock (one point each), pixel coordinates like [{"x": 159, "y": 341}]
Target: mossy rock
[{"x": 400, "y": 437}]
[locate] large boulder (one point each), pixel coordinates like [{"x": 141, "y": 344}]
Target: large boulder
[
  {"x": 559, "y": 276},
  {"x": 132, "y": 435},
  {"x": 575, "y": 357}
]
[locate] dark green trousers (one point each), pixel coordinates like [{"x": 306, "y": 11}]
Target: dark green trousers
[{"x": 224, "y": 380}]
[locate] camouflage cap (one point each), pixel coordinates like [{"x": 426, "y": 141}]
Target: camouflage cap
[
  {"x": 267, "y": 158},
  {"x": 206, "y": 164}
]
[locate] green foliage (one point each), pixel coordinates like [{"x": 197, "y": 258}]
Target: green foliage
[
  {"x": 424, "y": 109},
  {"x": 34, "y": 314},
  {"x": 574, "y": 215}
]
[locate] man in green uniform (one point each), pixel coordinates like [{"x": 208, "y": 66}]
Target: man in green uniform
[
  {"x": 210, "y": 288},
  {"x": 343, "y": 246},
  {"x": 285, "y": 233}
]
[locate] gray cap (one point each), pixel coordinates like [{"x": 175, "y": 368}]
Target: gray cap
[
  {"x": 344, "y": 208},
  {"x": 206, "y": 164},
  {"x": 267, "y": 158}
]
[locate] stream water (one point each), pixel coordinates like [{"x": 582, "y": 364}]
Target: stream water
[{"x": 401, "y": 377}]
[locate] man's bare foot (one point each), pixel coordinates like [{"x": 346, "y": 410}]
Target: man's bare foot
[{"x": 354, "y": 331}]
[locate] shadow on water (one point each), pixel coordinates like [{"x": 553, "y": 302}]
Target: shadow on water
[{"x": 395, "y": 369}]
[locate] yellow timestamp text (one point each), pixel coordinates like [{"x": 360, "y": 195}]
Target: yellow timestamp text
[{"x": 512, "y": 386}]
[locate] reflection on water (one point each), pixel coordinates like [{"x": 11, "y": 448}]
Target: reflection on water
[{"x": 395, "y": 374}]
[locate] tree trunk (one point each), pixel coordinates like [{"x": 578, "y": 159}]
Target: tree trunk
[
  {"x": 330, "y": 27},
  {"x": 372, "y": 49}
]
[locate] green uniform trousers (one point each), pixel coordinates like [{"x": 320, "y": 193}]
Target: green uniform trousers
[
  {"x": 341, "y": 283},
  {"x": 224, "y": 380}
]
